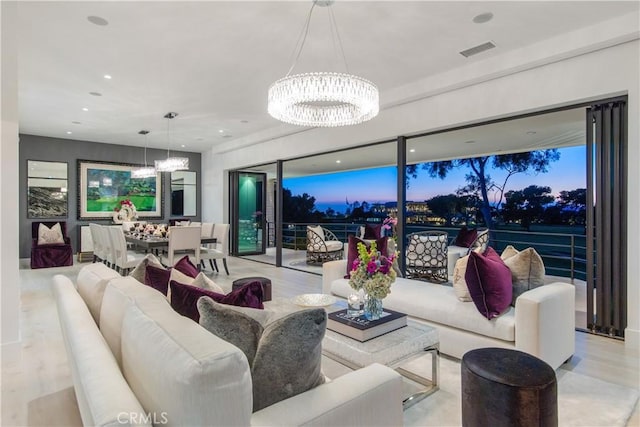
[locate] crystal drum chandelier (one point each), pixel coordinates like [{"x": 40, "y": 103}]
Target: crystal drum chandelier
[
  {"x": 322, "y": 99},
  {"x": 146, "y": 171},
  {"x": 171, "y": 164}
]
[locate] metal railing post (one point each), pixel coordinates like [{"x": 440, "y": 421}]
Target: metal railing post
[{"x": 573, "y": 253}]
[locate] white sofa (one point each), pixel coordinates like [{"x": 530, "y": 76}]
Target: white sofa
[
  {"x": 135, "y": 361},
  {"x": 542, "y": 323}
]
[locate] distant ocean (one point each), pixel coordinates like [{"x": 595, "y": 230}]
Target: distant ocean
[{"x": 338, "y": 207}]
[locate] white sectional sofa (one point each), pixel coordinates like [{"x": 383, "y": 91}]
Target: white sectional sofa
[
  {"x": 542, "y": 323},
  {"x": 135, "y": 361}
]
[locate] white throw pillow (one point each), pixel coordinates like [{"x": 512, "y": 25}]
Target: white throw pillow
[
  {"x": 459, "y": 283},
  {"x": 200, "y": 281},
  {"x": 527, "y": 269},
  {"x": 50, "y": 236}
]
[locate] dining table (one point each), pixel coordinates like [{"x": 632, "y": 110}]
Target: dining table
[{"x": 155, "y": 243}]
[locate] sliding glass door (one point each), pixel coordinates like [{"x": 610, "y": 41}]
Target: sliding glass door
[{"x": 248, "y": 206}]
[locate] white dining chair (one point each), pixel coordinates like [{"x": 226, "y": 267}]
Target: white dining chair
[
  {"x": 182, "y": 240},
  {"x": 106, "y": 245},
  {"x": 98, "y": 251},
  {"x": 123, "y": 259},
  {"x": 220, "y": 249},
  {"x": 207, "y": 231}
]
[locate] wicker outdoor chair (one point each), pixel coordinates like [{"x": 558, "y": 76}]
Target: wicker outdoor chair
[
  {"x": 426, "y": 256},
  {"x": 322, "y": 246}
]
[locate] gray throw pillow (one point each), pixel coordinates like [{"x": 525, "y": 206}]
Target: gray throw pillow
[
  {"x": 284, "y": 355},
  {"x": 138, "y": 272},
  {"x": 230, "y": 325},
  {"x": 288, "y": 360}
]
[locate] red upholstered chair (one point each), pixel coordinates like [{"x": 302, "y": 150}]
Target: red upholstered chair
[{"x": 50, "y": 255}]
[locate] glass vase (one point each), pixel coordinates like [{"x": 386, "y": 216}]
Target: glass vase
[{"x": 372, "y": 308}]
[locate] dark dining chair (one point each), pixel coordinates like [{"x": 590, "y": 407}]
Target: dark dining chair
[{"x": 50, "y": 254}]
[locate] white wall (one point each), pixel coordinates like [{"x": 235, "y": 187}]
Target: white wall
[
  {"x": 587, "y": 75},
  {"x": 9, "y": 285}
]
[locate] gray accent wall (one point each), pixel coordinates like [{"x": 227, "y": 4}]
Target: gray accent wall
[{"x": 42, "y": 148}]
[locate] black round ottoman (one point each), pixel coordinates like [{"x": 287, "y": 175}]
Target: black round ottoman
[
  {"x": 502, "y": 387},
  {"x": 266, "y": 285}
]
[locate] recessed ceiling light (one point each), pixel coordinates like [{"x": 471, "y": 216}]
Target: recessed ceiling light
[
  {"x": 471, "y": 141},
  {"x": 97, "y": 20},
  {"x": 77, "y": 123},
  {"x": 69, "y": 132},
  {"x": 531, "y": 132},
  {"x": 483, "y": 17},
  {"x": 182, "y": 146},
  {"x": 107, "y": 76},
  {"x": 95, "y": 93},
  {"x": 85, "y": 109},
  {"x": 338, "y": 161},
  {"x": 478, "y": 49},
  {"x": 413, "y": 150},
  {"x": 221, "y": 131}
]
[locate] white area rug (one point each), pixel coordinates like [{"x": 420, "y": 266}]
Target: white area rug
[{"x": 582, "y": 401}]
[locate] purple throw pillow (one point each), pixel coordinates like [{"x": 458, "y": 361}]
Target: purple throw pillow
[
  {"x": 185, "y": 266},
  {"x": 184, "y": 298},
  {"x": 372, "y": 231},
  {"x": 466, "y": 237},
  {"x": 489, "y": 282},
  {"x": 157, "y": 278},
  {"x": 352, "y": 253}
]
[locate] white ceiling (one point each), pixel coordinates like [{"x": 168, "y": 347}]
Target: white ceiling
[{"x": 212, "y": 62}]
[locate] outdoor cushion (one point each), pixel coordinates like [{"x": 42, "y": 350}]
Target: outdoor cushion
[
  {"x": 466, "y": 237},
  {"x": 372, "y": 231},
  {"x": 318, "y": 230}
]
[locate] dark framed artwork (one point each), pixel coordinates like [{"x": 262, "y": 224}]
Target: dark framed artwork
[
  {"x": 103, "y": 186},
  {"x": 47, "y": 189}
]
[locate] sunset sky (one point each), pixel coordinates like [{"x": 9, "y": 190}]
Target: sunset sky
[{"x": 379, "y": 185}]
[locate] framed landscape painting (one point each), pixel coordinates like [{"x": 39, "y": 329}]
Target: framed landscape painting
[
  {"x": 46, "y": 189},
  {"x": 102, "y": 186}
]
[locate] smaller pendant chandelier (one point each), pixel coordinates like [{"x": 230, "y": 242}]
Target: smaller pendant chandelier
[
  {"x": 171, "y": 164},
  {"x": 322, "y": 99},
  {"x": 146, "y": 171}
]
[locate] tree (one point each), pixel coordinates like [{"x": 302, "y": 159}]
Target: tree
[
  {"x": 299, "y": 208},
  {"x": 526, "y": 205},
  {"x": 479, "y": 178},
  {"x": 573, "y": 205},
  {"x": 446, "y": 206}
]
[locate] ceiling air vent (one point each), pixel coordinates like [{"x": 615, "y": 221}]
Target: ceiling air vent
[{"x": 477, "y": 49}]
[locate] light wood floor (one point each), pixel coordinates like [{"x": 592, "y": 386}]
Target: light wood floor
[{"x": 38, "y": 391}]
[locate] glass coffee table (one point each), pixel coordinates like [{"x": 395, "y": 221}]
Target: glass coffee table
[{"x": 390, "y": 349}]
